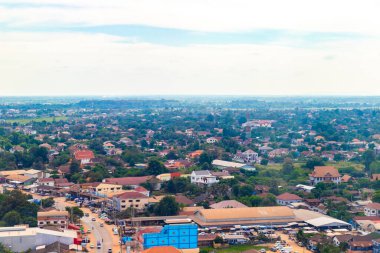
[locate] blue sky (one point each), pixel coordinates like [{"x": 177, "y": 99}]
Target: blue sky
[{"x": 78, "y": 47}]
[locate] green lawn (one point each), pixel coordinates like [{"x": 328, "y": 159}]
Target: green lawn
[
  {"x": 235, "y": 248},
  {"x": 339, "y": 165},
  {"x": 28, "y": 120}
]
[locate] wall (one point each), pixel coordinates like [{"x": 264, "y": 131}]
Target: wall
[{"x": 184, "y": 236}]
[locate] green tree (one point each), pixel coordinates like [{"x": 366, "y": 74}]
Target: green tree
[
  {"x": 167, "y": 206},
  {"x": 49, "y": 202},
  {"x": 75, "y": 212},
  {"x": 368, "y": 157},
  {"x": 155, "y": 167},
  {"x": 12, "y": 218}
]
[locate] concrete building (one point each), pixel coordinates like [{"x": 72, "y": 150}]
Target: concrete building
[
  {"x": 287, "y": 199},
  {"x": 203, "y": 177},
  {"x": 20, "y": 239},
  {"x": 325, "y": 174},
  {"x": 229, "y": 217},
  {"x": 59, "y": 219},
  {"x": 372, "y": 209},
  {"x": 128, "y": 199},
  {"x": 180, "y": 236}
]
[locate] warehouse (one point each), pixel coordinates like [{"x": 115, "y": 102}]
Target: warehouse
[
  {"x": 320, "y": 221},
  {"x": 22, "y": 238},
  {"x": 229, "y": 217}
]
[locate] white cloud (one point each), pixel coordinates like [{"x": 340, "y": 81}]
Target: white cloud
[
  {"x": 205, "y": 15},
  {"x": 72, "y": 63}
]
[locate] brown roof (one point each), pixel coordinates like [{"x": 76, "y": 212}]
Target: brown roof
[
  {"x": 52, "y": 213},
  {"x": 183, "y": 200},
  {"x": 374, "y": 206},
  {"x": 131, "y": 195},
  {"x": 325, "y": 171},
  {"x": 247, "y": 213},
  {"x": 288, "y": 196},
  {"x": 128, "y": 180},
  {"x": 228, "y": 204},
  {"x": 84, "y": 154}
]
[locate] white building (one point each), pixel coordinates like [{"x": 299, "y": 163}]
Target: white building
[
  {"x": 203, "y": 177},
  {"x": 46, "y": 182},
  {"x": 211, "y": 140},
  {"x": 58, "y": 219},
  {"x": 220, "y": 164},
  {"x": 325, "y": 174},
  {"x": 20, "y": 239},
  {"x": 372, "y": 209},
  {"x": 248, "y": 156},
  {"x": 287, "y": 199}
]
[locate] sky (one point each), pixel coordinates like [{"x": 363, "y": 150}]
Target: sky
[{"x": 191, "y": 47}]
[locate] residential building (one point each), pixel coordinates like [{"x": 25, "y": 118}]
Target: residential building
[
  {"x": 372, "y": 209},
  {"x": 228, "y": 204},
  {"x": 46, "y": 182},
  {"x": 248, "y": 156},
  {"x": 325, "y": 174},
  {"x": 59, "y": 219},
  {"x": 287, "y": 199},
  {"x": 129, "y": 199},
  {"x": 84, "y": 156},
  {"x": 203, "y": 177}
]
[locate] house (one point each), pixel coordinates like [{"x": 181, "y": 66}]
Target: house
[
  {"x": 128, "y": 181},
  {"x": 325, "y": 174},
  {"x": 211, "y": 140},
  {"x": 46, "y": 182},
  {"x": 129, "y": 199},
  {"x": 195, "y": 154},
  {"x": 16, "y": 149},
  {"x": 375, "y": 177},
  {"x": 62, "y": 183},
  {"x": 103, "y": 189},
  {"x": 248, "y": 156},
  {"x": 59, "y": 219},
  {"x": 127, "y": 141},
  {"x": 203, "y": 177},
  {"x": 108, "y": 145},
  {"x": 228, "y": 204},
  {"x": 287, "y": 199},
  {"x": 372, "y": 209},
  {"x": 84, "y": 156}
]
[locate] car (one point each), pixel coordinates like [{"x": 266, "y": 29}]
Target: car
[
  {"x": 99, "y": 245},
  {"x": 87, "y": 214},
  {"x": 109, "y": 251},
  {"x": 300, "y": 244},
  {"x": 92, "y": 246},
  {"x": 262, "y": 251},
  {"x": 101, "y": 225},
  {"x": 93, "y": 219},
  {"x": 88, "y": 231}
]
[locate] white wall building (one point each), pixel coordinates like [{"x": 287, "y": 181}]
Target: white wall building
[
  {"x": 20, "y": 239},
  {"x": 203, "y": 177},
  {"x": 372, "y": 209}
]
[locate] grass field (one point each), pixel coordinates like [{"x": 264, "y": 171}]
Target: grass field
[
  {"x": 235, "y": 249},
  {"x": 28, "y": 120},
  {"x": 339, "y": 165}
]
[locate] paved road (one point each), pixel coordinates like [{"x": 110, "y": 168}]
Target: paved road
[{"x": 100, "y": 233}]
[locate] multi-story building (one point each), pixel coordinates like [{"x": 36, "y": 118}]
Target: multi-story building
[
  {"x": 372, "y": 209},
  {"x": 203, "y": 177},
  {"x": 53, "y": 218},
  {"x": 325, "y": 174},
  {"x": 129, "y": 199}
]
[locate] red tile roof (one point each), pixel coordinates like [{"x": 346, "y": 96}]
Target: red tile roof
[
  {"x": 288, "y": 196},
  {"x": 374, "y": 206},
  {"x": 84, "y": 154},
  {"x": 325, "y": 171}
]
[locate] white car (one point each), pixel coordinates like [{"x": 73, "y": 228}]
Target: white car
[{"x": 93, "y": 219}]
